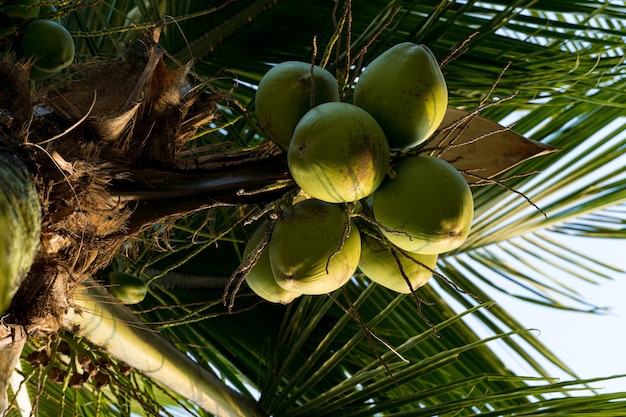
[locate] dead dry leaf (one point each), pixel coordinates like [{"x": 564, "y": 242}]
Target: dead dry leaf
[{"x": 482, "y": 148}]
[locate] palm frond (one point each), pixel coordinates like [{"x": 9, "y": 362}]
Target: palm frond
[{"x": 564, "y": 87}]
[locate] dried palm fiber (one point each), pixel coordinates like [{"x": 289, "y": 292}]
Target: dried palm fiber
[
  {"x": 139, "y": 112},
  {"x": 75, "y": 137}
]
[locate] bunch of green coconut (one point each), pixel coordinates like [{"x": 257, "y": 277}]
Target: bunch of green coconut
[
  {"x": 340, "y": 155},
  {"x": 41, "y": 38}
]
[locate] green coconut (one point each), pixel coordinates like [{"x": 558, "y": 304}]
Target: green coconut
[
  {"x": 404, "y": 89},
  {"x": 380, "y": 265},
  {"x": 309, "y": 253},
  {"x": 20, "y": 225},
  {"x": 284, "y": 96},
  {"x": 338, "y": 153},
  {"x": 427, "y": 207},
  {"x": 49, "y": 44},
  {"x": 128, "y": 288},
  {"x": 260, "y": 278}
]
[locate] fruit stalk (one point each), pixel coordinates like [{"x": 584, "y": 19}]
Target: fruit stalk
[{"x": 163, "y": 193}]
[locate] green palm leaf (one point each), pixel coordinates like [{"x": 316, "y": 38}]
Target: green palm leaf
[{"x": 315, "y": 357}]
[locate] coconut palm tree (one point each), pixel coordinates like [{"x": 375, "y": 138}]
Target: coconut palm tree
[{"x": 148, "y": 160}]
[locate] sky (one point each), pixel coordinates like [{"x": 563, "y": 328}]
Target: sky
[{"x": 591, "y": 344}]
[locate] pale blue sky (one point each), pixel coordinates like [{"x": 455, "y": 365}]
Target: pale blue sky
[{"x": 592, "y": 345}]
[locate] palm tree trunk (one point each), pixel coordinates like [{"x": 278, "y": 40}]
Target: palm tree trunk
[
  {"x": 20, "y": 223},
  {"x": 20, "y": 229}
]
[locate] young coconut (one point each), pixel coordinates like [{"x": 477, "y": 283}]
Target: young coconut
[
  {"x": 405, "y": 91},
  {"x": 427, "y": 207},
  {"x": 49, "y": 44},
  {"x": 260, "y": 277},
  {"x": 48, "y": 11},
  {"x": 128, "y": 288},
  {"x": 284, "y": 96},
  {"x": 309, "y": 251},
  {"x": 338, "y": 153},
  {"x": 379, "y": 264}
]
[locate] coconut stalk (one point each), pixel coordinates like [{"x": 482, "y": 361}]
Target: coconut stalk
[{"x": 108, "y": 324}]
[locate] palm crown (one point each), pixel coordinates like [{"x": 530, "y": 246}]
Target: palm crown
[{"x": 553, "y": 68}]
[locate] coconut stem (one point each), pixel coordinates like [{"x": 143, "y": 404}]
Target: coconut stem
[
  {"x": 110, "y": 325},
  {"x": 163, "y": 193}
]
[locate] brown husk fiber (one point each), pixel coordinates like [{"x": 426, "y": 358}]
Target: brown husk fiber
[{"x": 78, "y": 135}]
